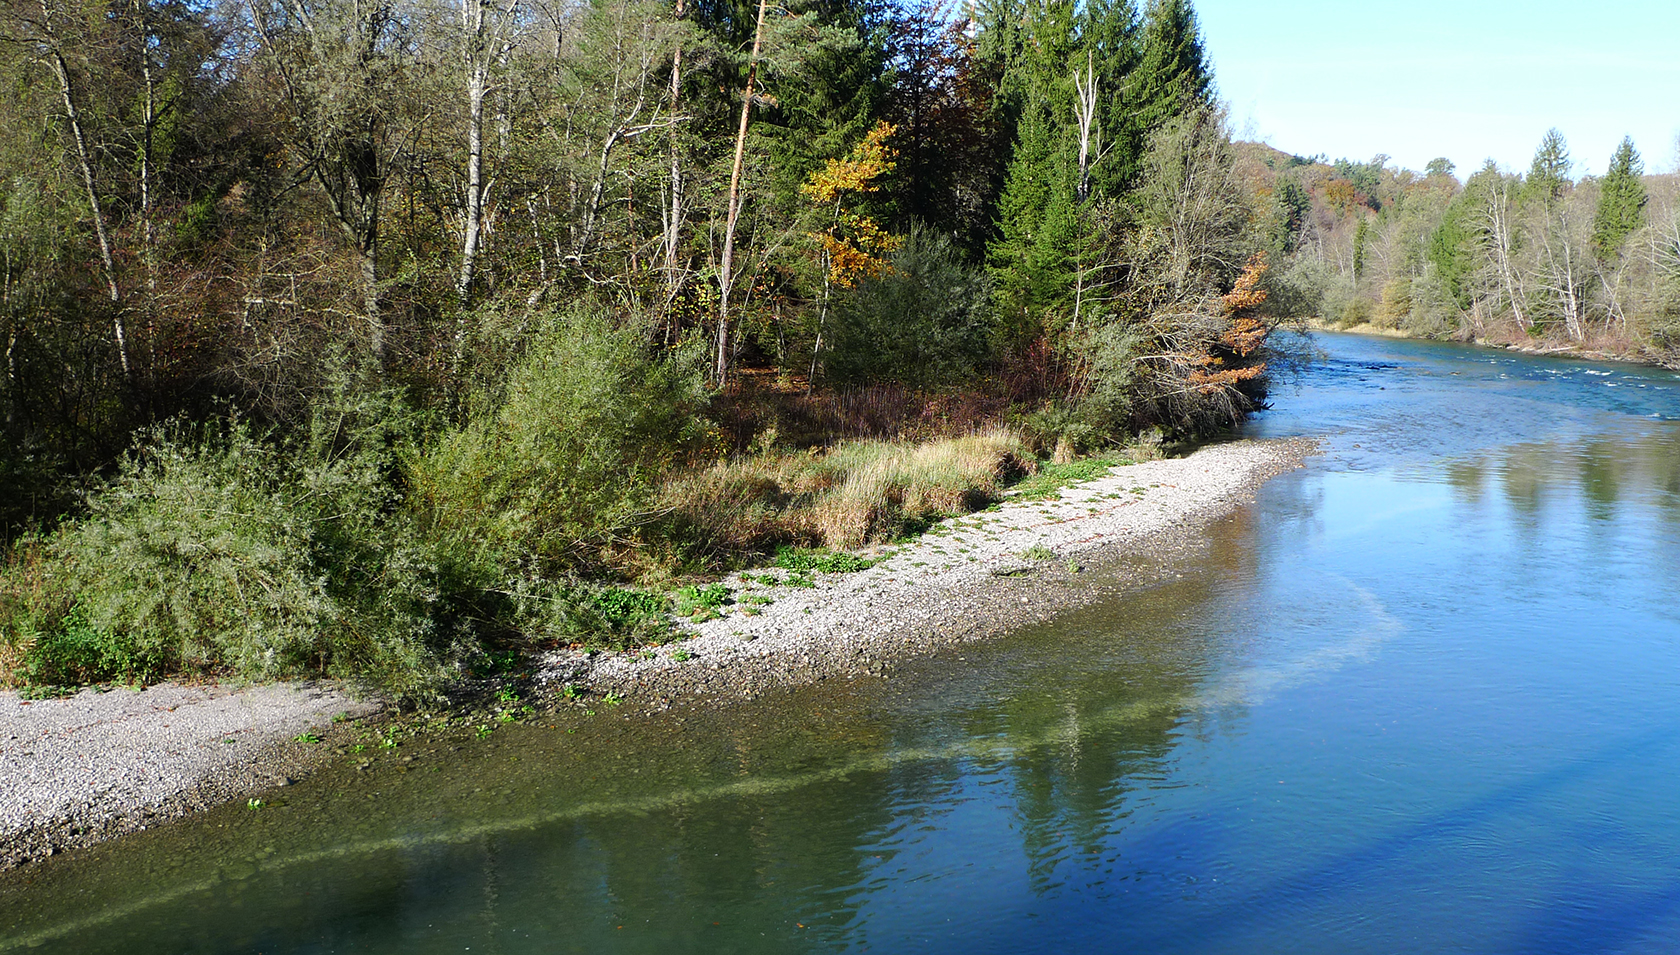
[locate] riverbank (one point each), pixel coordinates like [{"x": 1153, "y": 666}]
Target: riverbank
[
  {"x": 79, "y": 769},
  {"x": 95, "y": 765},
  {"x": 1608, "y": 350},
  {"x": 968, "y": 578}
]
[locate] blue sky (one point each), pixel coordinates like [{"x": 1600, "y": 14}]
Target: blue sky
[{"x": 1467, "y": 80}]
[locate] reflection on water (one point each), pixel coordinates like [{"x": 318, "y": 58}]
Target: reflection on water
[{"x": 1421, "y": 696}]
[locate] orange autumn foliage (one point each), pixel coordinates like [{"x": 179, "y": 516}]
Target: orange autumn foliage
[{"x": 1224, "y": 363}]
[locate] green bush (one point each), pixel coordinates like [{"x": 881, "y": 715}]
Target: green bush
[
  {"x": 196, "y": 557},
  {"x": 218, "y": 549},
  {"x": 698, "y": 597},
  {"x": 925, "y": 322},
  {"x": 597, "y": 618},
  {"x": 789, "y": 558},
  {"x": 562, "y": 463},
  {"x": 623, "y": 606},
  {"x": 75, "y": 653}
]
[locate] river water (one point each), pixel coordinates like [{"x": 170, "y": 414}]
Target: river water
[{"x": 1422, "y": 696}]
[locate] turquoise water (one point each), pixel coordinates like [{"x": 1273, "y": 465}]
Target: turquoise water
[{"x": 1421, "y": 696}]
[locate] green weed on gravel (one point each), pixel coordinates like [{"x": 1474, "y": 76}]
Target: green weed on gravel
[{"x": 1051, "y": 478}]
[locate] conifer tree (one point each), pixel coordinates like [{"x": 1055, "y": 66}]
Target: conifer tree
[
  {"x": 1174, "y": 75},
  {"x": 1111, "y": 34},
  {"x": 1037, "y": 210},
  {"x": 1548, "y": 175},
  {"x": 1621, "y": 201},
  {"x": 1038, "y": 225}
]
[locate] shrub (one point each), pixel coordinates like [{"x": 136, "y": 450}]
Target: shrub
[
  {"x": 195, "y": 558},
  {"x": 926, "y": 321},
  {"x": 218, "y": 549},
  {"x": 561, "y": 464}
]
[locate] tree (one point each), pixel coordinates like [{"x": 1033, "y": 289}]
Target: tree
[
  {"x": 1174, "y": 75},
  {"x": 337, "y": 66},
  {"x": 726, "y": 270},
  {"x": 1548, "y": 175},
  {"x": 853, "y": 246},
  {"x": 51, "y": 43},
  {"x": 1621, "y": 202},
  {"x": 940, "y": 101},
  {"x": 488, "y": 32},
  {"x": 1440, "y": 166}
]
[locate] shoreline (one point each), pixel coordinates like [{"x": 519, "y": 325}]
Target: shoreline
[
  {"x": 81, "y": 769},
  {"x": 1530, "y": 347},
  {"x": 968, "y": 578},
  {"x": 85, "y": 768}
]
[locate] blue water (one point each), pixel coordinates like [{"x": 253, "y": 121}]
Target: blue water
[{"x": 1422, "y": 696}]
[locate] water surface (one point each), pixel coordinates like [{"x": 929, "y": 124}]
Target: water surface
[{"x": 1423, "y": 695}]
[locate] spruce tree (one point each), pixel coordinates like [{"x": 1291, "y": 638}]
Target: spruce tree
[
  {"x": 1548, "y": 175},
  {"x": 1621, "y": 201},
  {"x": 1175, "y": 74},
  {"x": 1111, "y": 34},
  {"x": 1038, "y": 225}
]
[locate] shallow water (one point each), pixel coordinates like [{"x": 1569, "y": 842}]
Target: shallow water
[{"x": 1423, "y": 695}]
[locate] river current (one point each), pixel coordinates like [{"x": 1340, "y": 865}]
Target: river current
[{"x": 1423, "y": 695}]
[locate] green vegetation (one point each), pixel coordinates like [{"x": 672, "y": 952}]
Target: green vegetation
[
  {"x": 823, "y": 561},
  {"x": 1051, "y": 478},
  {"x": 1523, "y": 258},
  {"x": 291, "y": 390}
]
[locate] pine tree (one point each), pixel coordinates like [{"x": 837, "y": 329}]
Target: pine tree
[
  {"x": 1174, "y": 75},
  {"x": 1548, "y": 176},
  {"x": 1621, "y": 201}
]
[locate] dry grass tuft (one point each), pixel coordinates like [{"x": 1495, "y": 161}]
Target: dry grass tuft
[{"x": 860, "y": 492}]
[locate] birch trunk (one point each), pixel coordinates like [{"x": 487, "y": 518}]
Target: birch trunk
[{"x": 726, "y": 273}]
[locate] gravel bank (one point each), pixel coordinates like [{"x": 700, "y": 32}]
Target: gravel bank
[
  {"x": 967, "y": 579},
  {"x": 94, "y": 765}
]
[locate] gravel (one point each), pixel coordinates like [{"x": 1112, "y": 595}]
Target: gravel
[
  {"x": 98, "y": 764},
  {"x": 968, "y": 578},
  {"x": 87, "y": 767}
]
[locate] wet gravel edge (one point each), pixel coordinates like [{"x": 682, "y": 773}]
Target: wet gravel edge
[{"x": 970, "y": 578}]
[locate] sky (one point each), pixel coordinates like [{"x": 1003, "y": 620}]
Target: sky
[{"x": 1468, "y": 80}]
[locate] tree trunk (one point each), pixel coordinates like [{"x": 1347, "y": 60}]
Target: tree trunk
[
  {"x": 674, "y": 218},
  {"x": 1086, "y": 112},
  {"x": 726, "y": 274},
  {"x": 67, "y": 89}
]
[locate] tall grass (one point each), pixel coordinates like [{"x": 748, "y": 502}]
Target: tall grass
[{"x": 858, "y": 492}]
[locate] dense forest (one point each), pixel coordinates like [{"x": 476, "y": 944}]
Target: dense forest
[
  {"x": 367, "y": 337},
  {"x": 1539, "y": 259}
]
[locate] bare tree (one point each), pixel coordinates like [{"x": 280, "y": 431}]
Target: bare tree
[
  {"x": 53, "y": 49},
  {"x": 726, "y": 268},
  {"x": 336, "y": 60},
  {"x": 487, "y": 36},
  {"x": 1561, "y": 263},
  {"x": 1498, "y": 236}
]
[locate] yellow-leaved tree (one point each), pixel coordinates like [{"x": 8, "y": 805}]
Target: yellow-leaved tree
[{"x": 853, "y": 246}]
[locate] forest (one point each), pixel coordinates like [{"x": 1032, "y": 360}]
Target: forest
[
  {"x": 373, "y": 338},
  {"x": 1541, "y": 259}
]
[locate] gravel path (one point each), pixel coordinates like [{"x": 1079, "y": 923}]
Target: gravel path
[
  {"x": 968, "y": 578},
  {"x": 86, "y": 767},
  {"x": 95, "y": 765}
]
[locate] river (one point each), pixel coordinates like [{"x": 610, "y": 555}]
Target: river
[{"x": 1422, "y": 695}]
